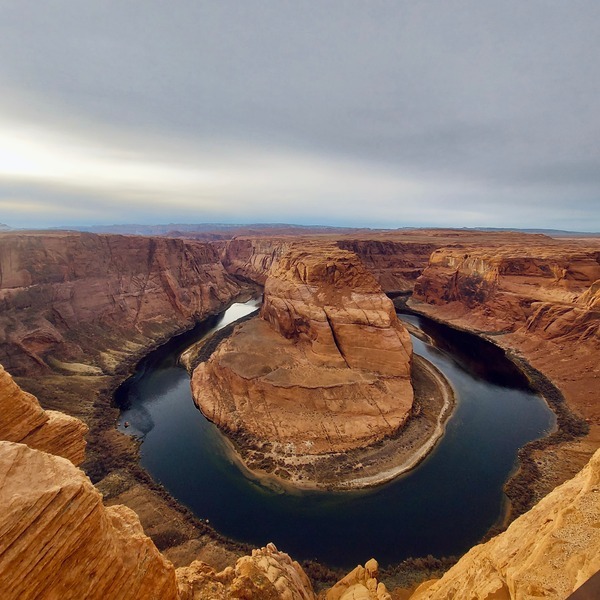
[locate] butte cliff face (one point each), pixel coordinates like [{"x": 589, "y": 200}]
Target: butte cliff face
[{"x": 324, "y": 369}]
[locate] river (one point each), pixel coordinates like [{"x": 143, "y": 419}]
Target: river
[{"x": 442, "y": 507}]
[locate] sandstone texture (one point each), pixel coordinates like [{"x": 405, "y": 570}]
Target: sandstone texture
[
  {"x": 546, "y": 553},
  {"x": 22, "y": 419},
  {"x": 324, "y": 369},
  {"x": 395, "y": 264},
  {"x": 359, "y": 584},
  {"x": 267, "y": 574},
  {"x": 78, "y": 303},
  {"x": 57, "y": 541},
  {"x": 251, "y": 259}
]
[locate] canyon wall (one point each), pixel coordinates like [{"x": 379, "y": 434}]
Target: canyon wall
[
  {"x": 79, "y": 303},
  {"x": 395, "y": 264},
  {"x": 77, "y": 311},
  {"x": 538, "y": 300}
]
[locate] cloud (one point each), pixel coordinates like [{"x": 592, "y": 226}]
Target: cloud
[{"x": 446, "y": 113}]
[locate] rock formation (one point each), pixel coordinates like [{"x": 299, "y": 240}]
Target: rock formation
[
  {"x": 265, "y": 575},
  {"x": 360, "y": 584},
  {"x": 57, "y": 540},
  {"x": 538, "y": 299},
  {"x": 546, "y": 553},
  {"x": 70, "y": 301},
  {"x": 325, "y": 368},
  {"x": 511, "y": 287},
  {"x": 23, "y": 420}
]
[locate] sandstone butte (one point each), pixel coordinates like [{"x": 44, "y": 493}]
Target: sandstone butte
[{"x": 324, "y": 369}]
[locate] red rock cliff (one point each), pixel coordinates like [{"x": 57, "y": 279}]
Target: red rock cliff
[
  {"x": 71, "y": 301},
  {"x": 23, "y": 420},
  {"x": 326, "y": 368}
]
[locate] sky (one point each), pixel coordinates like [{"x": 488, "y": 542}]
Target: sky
[{"x": 371, "y": 113}]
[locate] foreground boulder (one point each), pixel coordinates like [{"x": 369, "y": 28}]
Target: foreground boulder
[
  {"x": 22, "y": 419},
  {"x": 265, "y": 575},
  {"x": 324, "y": 369},
  {"x": 57, "y": 540}
]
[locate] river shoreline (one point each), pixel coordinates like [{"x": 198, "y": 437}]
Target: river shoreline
[
  {"x": 528, "y": 473},
  {"x": 213, "y": 555}
]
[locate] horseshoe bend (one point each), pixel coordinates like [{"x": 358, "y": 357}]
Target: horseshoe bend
[{"x": 324, "y": 370}]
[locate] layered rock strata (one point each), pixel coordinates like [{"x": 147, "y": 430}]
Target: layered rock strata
[
  {"x": 22, "y": 419},
  {"x": 78, "y": 303},
  {"x": 325, "y": 368},
  {"x": 539, "y": 301},
  {"x": 547, "y": 553},
  {"x": 57, "y": 540}
]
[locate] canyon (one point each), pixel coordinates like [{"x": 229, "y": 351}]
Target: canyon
[{"x": 78, "y": 310}]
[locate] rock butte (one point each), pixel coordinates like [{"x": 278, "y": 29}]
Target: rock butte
[
  {"x": 79, "y": 309},
  {"x": 324, "y": 369}
]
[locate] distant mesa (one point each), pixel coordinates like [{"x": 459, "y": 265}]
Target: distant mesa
[{"x": 325, "y": 368}]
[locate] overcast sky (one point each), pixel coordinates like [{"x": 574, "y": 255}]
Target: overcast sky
[{"x": 361, "y": 113}]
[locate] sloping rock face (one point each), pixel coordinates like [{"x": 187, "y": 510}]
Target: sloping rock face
[
  {"x": 265, "y": 575},
  {"x": 324, "y": 369},
  {"x": 58, "y": 541},
  {"x": 71, "y": 301},
  {"x": 22, "y": 419},
  {"x": 546, "y": 553}
]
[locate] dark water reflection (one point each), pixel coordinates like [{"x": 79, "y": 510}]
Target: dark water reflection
[{"x": 441, "y": 508}]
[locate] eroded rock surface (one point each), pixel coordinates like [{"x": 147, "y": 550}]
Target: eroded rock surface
[
  {"x": 539, "y": 300},
  {"x": 22, "y": 419},
  {"x": 267, "y": 574},
  {"x": 324, "y": 369},
  {"x": 78, "y": 303},
  {"x": 57, "y": 540},
  {"x": 546, "y": 553},
  {"x": 360, "y": 584}
]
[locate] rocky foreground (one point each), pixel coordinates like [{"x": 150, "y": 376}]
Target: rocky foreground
[
  {"x": 326, "y": 368},
  {"x": 58, "y": 540}
]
